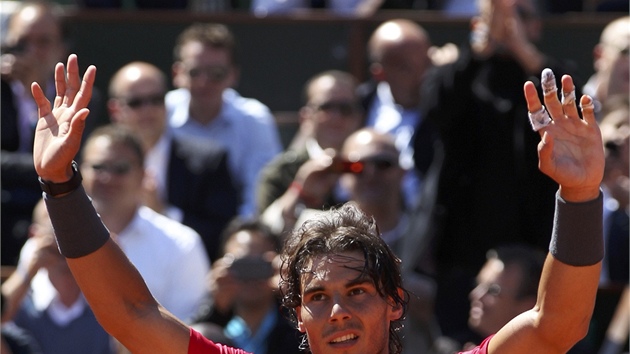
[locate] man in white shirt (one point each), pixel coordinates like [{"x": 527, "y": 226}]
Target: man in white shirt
[{"x": 169, "y": 255}]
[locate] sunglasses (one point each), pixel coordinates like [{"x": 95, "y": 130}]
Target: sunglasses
[
  {"x": 116, "y": 168},
  {"x": 138, "y": 102},
  {"x": 214, "y": 73},
  {"x": 343, "y": 108},
  {"x": 379, "y": 164}
]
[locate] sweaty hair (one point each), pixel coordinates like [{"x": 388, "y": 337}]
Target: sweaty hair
[
  {"x": 212, "y": 35},
  {"x": 119, "y": 135},
  {"x": 343, "y": 229}
]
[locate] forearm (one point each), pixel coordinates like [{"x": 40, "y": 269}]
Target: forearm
[
  {"x": 112, "y": 286},
  {"x": 570, "y": 277}
]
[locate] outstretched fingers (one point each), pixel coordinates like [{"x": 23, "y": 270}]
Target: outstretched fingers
[
  {"x": 588, "y": 110},
  {"x": 568, "y": 97},
  {"x": 60, "y": 84},
  {"x": 550, "y": 93},
  {"x": 43, "y": 104},
  {"x": 84, "y": 94},
  {"x": 73, "y": 80},
  {"x": 538, "y": 116}
]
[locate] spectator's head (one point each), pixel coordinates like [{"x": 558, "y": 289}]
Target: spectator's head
[
  {"x": 507, "y": 285},
  {"x": 136, "y": 101},
  {"x": 331, "y": 110},
  {"x": 399, "y": 55},
  {"x": 112, "y": 163},
  {"x": 615, "y": 127},
  {"x": 34, "y": 42},
  {"x": 611, "y": 60},
  {"x": 342, "y": 284},
  {"x": 250, "y": 246},
  {"x": 205, "y": 62},
  {"x": 377, "y": 184}
]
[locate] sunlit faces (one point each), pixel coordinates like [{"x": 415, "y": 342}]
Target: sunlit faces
[
  {"x": 341, "y": 309},
  {"x": 204, "y": 70},
  {"x": 34, "y": 36},
  {"x": 139, "y": 103},
  {"x": 333, "y": 110},
  {"x": 112, "y": 175},
  {"x": 494, "y": 301}
]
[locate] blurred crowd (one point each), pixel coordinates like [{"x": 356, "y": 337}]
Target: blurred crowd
[{"x": 199, "y": 191}]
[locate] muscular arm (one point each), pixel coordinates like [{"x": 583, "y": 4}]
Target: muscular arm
[
  {"x": 110, "y": 283},
  {"x": 571, "y": 153}
]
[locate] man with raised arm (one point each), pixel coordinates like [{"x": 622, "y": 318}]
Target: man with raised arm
[{"x": 340, "y": 282}]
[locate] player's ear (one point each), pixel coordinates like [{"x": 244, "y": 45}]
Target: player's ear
[
  {"x": 300, "y": 324},
  {"x": 398, "y": 309}
]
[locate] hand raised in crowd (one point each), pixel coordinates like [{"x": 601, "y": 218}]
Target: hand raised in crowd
[{"x": 60, "y": 127}]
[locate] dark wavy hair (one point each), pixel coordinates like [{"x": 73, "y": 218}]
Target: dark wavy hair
[{"x": 338, "y": 230}]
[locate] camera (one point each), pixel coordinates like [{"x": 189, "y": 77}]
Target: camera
[
  {"x": 251, "y": 268},
  {"x": 345, "y": 166}
]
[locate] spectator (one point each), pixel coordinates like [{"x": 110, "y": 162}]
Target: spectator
[
  {"x": 67, "y": 324},
  {"x": 33, "y": 44},
  {"x": 611, "y": 64},
  {"x": 188, "y": 179},
  {"x": 615, "y": 127},
  {"x": 204, "y": 105},
  {"x": 244, "y": 295},
  {"x": 398, "y": 51},
  {"x": 304, "y": 175},
  {"x": 340, "y": 281},
  {"x": 490, "y": 188}
]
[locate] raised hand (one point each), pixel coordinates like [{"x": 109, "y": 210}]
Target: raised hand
[
  {"x": 571, "y": 149},
  {"x": 59, "y": 128}
]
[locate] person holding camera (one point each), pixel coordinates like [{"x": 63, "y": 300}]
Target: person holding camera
[
  {"x": 243, "y": 286},
  {"x": 305, "y": 176}
]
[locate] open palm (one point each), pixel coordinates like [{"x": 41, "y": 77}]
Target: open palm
[{"x": 59, "y": 129}]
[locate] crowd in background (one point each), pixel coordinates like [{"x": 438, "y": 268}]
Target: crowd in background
[{"x": 199, "y": 191}]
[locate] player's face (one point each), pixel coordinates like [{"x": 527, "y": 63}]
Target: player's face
[{"x": 341, "y": 311}]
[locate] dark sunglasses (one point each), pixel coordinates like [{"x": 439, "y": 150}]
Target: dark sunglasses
[
  {"x": 380, "y": 163},
  {"x": 116, "y": 168},
  {"x": 343, "y": 108},
  {"x": 137, "y": 102},
  {"x": 215, "y": 73}
]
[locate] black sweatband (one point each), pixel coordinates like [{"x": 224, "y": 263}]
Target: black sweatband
[
  {"x": 78, "y": 228},
  {"x": 577, "y": 238}
]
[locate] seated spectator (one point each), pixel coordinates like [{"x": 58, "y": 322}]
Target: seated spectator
[
  {"x": 67, "y": 325},
  {"x": 244, "y": 292},
  {"x": 33, "y": 43},
  {"x": 187, "y": 179},
  {"x": 169, "y": 255},
  {"x": 303, "y": 175},
  {"x": 615, "y": 127},
  {"x": 398, "y": 51},
  {"x": 205, "y": 105}
]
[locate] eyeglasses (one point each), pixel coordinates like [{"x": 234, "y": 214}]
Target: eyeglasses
[
  {"x": 213, "y": 73},
  {"x": 343, "y": 108},
  {"x": 379, "y": 163},
  {"x": 115, "y": 168},
  {"x": 138, "y": 102}
]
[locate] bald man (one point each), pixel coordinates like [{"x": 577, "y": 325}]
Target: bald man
[
  {"x": 398, "y": 51},
  {"x": 188, "y": 179}
]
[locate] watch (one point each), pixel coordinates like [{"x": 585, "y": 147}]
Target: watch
[{"x": 54, "y": 189}]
